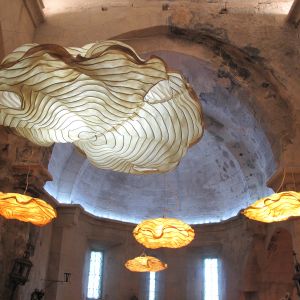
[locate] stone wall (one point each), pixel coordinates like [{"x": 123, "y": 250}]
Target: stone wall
[
  {"x": 256, "y": 259},
  {"x": 22, "y": 162},
  {"x": 257, "y": 49},
  {"x": 246, "y": 249},
  {"x": 17, "y": 26},
  {"x": 251, "y": 259}
]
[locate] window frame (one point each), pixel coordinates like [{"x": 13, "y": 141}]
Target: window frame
[{"x": 101, "y": 293}]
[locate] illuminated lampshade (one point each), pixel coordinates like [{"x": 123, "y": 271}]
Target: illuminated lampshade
[
  {"x": 25, "y": 208},
  {"x": 163, "y": 232},
  {"x": 145, "y": 264},
  {"x": 124, "y": 113},
  {"x": 275, "y": 208}
]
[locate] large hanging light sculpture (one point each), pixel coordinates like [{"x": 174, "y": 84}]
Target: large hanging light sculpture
[
  {"x": 163, "y": 232},
  {"x": 275, "y": 208},
  {"x": 25, "y": 208},
  {"x": 145, "y": 263},
  {"x": 125, "y": 113}
]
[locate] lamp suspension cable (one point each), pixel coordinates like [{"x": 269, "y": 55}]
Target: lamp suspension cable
[
  {"x": 27, "y": 181},
  {"x": 27, "y": 175},
  {"x": 282, "y": 181}
]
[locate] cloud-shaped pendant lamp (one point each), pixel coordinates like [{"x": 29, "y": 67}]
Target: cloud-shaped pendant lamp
[
  {"x": 145, "y": 263},
  {"x": 163, "y": 233},
  {"x": 124, "y": 113},
  {"x": 275, "y": 208},
  {"x": 26, "y": 209}
]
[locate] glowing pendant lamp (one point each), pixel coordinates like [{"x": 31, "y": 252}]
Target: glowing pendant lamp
[
  {"x": 124, "y": 113},
  {"x": 145, "y": 263},
  {"x": 163, "y": 232},
  {"x": 275, "y": 208},
  {"x": 26, "y": 209}
]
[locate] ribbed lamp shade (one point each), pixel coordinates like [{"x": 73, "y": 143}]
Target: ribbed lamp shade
[
  {"x": 145, "y": 264},
  {"x": 275, "y": 208},
  {"x": 124, "y": 113},
  {"x": 163, "y": 233},
  {"x": 26, "y": 209}
]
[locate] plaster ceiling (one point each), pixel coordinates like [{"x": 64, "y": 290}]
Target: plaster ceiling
[
  {"x": 221, "y": 174},
  {"x": 239, "y": 6}
]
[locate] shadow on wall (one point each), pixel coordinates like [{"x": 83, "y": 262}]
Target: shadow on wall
[
  {"x": 269, "y": 269},
  {"x": 1, "y": 44}
]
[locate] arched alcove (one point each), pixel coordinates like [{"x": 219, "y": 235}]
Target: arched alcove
[
  {"x": 269, "y": 268},
  {"x": 278, "y": 268},
  {"x": 224, "y": 172}
]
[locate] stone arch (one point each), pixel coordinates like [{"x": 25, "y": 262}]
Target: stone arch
[
  {"x": 245, "y": 77},
  {"x": 248, "y": 73},
  {"x": 238, "y": 76},
  {"x": 278, "y": 269},
  {"x": 269, "y": 267}
]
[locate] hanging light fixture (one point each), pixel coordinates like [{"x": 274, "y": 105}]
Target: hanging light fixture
[
  {"x": 145, "y": 263},
  {"x": 274, "y": 208},
  {"x": 26, "y": 209},
  {"x": 20, "y": 271},
  {"x": 124, "y": 113},
  {"x": 163, "y": 232}
]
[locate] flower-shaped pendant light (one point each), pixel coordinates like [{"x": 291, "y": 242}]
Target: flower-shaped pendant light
[
  {"x": 25, "y": 208},
  {"x": 274, "y": 208},
  {"x": 163, "y": 232}
]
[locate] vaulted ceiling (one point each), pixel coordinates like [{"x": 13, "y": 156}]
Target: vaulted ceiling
[
  {"x": 220, "y": 175},
  {"x": 238, "y": 56}
]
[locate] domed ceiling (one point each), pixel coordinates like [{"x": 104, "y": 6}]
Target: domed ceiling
[{"x": 223, "y": 173}]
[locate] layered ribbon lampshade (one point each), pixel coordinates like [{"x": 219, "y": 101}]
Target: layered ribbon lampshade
[
  {"x": 274, "y": 208},
  {"x": 26, "y": 209},
  {"x": 124, "y": 113},
  {"x": 145, "y": 263},
  {"x": 163, "y": 232}
]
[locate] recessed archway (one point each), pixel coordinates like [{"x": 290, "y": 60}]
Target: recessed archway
[{"x": 223, "y": 173}]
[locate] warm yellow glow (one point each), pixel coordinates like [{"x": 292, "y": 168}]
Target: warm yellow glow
[
  {"x": 26, "y": 209},
  {"x": 275, "y": 208},
  {"x": 163, "y": 232},
  {"x": 124, "y": 113},
  {"x": 145, "y": 264}
]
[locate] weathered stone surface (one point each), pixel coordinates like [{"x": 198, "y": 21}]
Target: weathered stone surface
[{"x": 253, "y": 57}]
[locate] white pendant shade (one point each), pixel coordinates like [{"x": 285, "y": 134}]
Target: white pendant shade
[{"x": 124, "y": 113}]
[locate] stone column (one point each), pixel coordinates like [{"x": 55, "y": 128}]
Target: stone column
[{"x": 287, "y": 178}]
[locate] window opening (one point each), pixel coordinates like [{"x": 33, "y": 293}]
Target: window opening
[
  {"x": 95, "y": 275},
  {"x": 211, "y": 279},
  {"x": 152, "y": 286}
]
